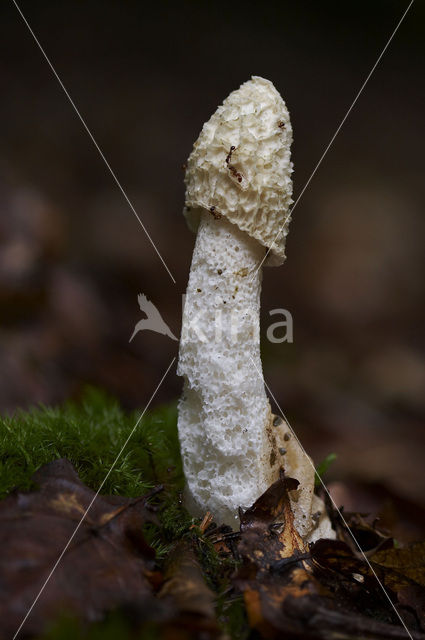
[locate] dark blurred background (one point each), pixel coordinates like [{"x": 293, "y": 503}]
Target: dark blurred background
[{"x": 145, "y": 76}]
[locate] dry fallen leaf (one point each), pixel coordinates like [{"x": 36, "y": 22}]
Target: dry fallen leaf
[
  {"x": 185, "y": 588},
  {"x": 323, "y": 592},
  {"x": 326, "y": 592},
  {"x": 403, "y": 572},
  {"x": 105, "y": 566}
]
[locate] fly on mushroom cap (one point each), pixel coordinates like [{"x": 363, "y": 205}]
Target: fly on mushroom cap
[{"x": 240, "y": 166}]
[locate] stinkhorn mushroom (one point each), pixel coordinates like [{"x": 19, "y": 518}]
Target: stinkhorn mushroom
[{"x": 238, "y": 192}]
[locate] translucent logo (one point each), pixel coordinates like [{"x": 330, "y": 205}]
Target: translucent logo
[
  {"x": 230, "y": 325},
  {"x": 153, "y": 320}
]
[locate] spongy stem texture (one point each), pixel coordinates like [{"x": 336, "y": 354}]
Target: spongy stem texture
[{"x": 224, "y": 411}]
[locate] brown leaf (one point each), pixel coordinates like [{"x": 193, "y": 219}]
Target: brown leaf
[
  {"x": 403, "y": 571},
  {"x": 267, "y": 528},
  {"x": 104, "y": 566},
  {"x": 269, "y": 541},
  {"x": 327, "y": 592},
  {"x": 409, "y": 562},
  {"x": 185, "y": 588},
  {"x": 396, "y": 570}
]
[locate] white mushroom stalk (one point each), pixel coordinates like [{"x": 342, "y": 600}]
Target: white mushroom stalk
[{"x": 238, "y": 194}]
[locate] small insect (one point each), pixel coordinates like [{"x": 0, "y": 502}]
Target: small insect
[
  {"x": 281, "y": 124},
  {"x": 229, "y": 155},
  {"x": 235, "y": 173},
  {"x": 215, "y": 213}
]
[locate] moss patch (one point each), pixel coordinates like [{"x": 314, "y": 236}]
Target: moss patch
[{"x": 90, "y": 434}]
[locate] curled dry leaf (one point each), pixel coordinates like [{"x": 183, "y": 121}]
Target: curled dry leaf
[
  {"x": 269, "y": 542},
  {"x": 326, "y": 591}
]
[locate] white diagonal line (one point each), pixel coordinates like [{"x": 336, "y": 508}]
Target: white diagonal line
[
  {"x": 130, "y": 204},
  {"x": 335, "y": 134},
  {"x": 333, "y": 501},
  {"x": 91, "y": 502}
]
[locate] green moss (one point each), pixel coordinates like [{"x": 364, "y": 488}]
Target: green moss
[{"x": 90, "y": 434}]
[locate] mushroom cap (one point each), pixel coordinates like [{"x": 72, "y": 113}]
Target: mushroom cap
[{"x": 240, "y": 166}]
